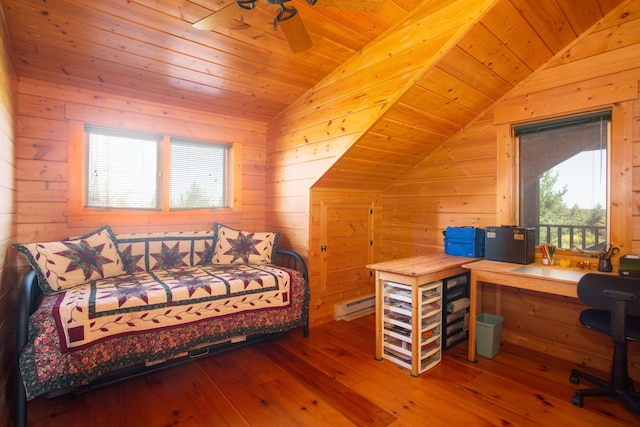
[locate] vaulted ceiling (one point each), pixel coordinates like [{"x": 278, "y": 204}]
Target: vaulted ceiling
[
  {"x": 149, "y": 49},
  {"x": 485, "y": 58}
]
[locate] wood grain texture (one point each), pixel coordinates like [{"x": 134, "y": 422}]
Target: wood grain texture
[
  {"x": 339, "y": 136},
  {"x": 8, "y": 194},
  {"x": 331, "y": 378},
  {"x": 149, "y": 49},
  {"x": 48, "y": 176},
  {"x": 375, "y": 107},
  {"x": 418, "y": 207}
]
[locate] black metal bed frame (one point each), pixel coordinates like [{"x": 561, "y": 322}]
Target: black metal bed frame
[{"x": 30, "y": 295}]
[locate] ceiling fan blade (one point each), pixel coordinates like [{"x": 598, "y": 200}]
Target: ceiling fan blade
[
  {"x": 220, "y": 17},
  {"x": 368, "y": 6},
  {"x": 295, "y": 33}
]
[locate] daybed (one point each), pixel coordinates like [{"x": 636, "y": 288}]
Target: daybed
[{"x": 101, "y": 307}]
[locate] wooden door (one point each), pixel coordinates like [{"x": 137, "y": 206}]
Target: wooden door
[{"x": 346, "y": 246}]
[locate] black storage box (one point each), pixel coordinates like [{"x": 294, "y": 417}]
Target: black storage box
[
  {"x": 464, "y": 241},
  {"x": 510, "y": 244},
  {"x": 630, "y": 266}
]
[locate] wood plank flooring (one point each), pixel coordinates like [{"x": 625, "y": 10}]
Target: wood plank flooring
[{"x": 332, "y": 379}]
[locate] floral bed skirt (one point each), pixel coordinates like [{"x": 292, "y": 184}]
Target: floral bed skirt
[{"x": 81, "y": 334}]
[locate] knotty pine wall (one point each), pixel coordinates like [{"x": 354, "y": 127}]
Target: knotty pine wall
[
  {"x": 456, "y": 185},
  {"x": 8, "y": 277},
  {"x": 307, "y": 138},
  {"x": 459, "y": 184},
  {"x": 42, "y": 156}
]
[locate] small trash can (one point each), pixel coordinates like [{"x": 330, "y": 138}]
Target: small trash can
[{"x": 488, "y": 333}]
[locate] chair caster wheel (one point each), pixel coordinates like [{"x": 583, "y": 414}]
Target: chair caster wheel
[
  {"x": 578, "y": 401},
  {"x": 574, "y": 379}
]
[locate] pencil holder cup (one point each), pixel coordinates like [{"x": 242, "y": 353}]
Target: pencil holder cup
[{"x": 604, "y": 265}]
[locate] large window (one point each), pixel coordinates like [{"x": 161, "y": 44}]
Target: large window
[
  {"x": 127, "y": 170},
  {"x": 563, "y": 175}
]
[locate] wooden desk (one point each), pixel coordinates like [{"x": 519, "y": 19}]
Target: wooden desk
[
  {"x": 414, "y": 271},
  {"x": 535, "y": 277}
]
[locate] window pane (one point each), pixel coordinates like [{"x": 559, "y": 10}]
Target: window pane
[
  {"x": 198, "y": 175},
  {"x": 563, "y": 181},
  {"x": 121, "y": 170}
]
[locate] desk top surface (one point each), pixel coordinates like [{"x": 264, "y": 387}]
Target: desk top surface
[
  {"x": 553, "y": 272},
  {"x": 421, "y": 265}
]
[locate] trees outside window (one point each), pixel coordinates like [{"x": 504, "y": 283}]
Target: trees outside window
[
  {"x": 129, "y": 170},
  {"x": 563, "y": 171}
]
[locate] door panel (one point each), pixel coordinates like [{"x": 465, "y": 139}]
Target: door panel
[{"x": 347, "y": 239}]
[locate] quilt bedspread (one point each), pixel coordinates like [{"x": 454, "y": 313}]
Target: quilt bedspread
[
  {"x": 165, "y": 298},
  {"x": 82, "y": 333}
]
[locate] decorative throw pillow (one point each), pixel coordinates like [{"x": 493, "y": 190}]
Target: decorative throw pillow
[
  {"x": 237, "y": 246},
  {"x": 68, "y": 263},
  {"x": 162, "y": 250}
]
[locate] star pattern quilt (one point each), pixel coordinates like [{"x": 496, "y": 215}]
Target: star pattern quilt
[
  {"x": 108, "y": 324},
  {"x": 129, "y": 304}
]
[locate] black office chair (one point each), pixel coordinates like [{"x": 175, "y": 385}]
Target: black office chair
[{"x": 617, "y": 305}]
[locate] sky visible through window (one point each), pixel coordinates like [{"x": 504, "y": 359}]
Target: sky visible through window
[{"x": 585, "y": 177}]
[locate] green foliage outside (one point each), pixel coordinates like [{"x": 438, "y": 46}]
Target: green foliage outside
[
  {"x": 555, "y": 213},
  {"x": 194, "y": 197}
]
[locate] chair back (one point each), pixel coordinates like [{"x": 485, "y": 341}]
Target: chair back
[{"x": 601, "y": 290}]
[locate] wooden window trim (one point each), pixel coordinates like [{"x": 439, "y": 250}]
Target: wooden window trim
[
  {"x": 620, "y": 173},
  {"x": 80, "y": 216}
]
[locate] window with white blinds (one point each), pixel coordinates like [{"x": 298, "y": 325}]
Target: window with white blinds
[
  {"x": 124, "y": 170},
  {"x": 198, "y": 175}
]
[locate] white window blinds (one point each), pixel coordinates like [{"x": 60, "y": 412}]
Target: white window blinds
[
  {"x": 122, "y": 170},
  {"x": 199, "y": 172}
]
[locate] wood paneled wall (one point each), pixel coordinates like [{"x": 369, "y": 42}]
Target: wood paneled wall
[
  {"x": 458, "y": 184},
  {"x": 8, "y": 277},
  {"x": 44, "y": 116},
  {"x": 307, "y": 139},
  {"x": 455, "y": 185}
]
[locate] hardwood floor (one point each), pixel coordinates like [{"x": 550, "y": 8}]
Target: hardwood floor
[{"x": 332, "y": 379}]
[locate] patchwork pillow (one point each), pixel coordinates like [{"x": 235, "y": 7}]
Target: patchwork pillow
[
  {"x": 68, "y": 263},
  {"x": 237, "y": 246},
  {"x": 163, "y": 250}
]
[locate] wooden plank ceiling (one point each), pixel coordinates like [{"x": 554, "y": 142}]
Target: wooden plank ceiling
[
  {"x": 512, "y": 40},
  {"x": 149, "y": 49}
]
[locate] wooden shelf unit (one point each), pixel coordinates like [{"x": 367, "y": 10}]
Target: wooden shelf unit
[{"x": 411, "y": 290}]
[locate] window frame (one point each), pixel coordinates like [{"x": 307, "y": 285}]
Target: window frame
[
  {"x": 80, "y": 215},
  {"x": 564, "y": 122},
  {"x": 226, "y": 173},
  {"x": 151, "y": 138},
  {"x": 620, "y": 182}
]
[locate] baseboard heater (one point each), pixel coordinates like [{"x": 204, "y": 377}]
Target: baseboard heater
[{"x": 351, "y": 309}]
